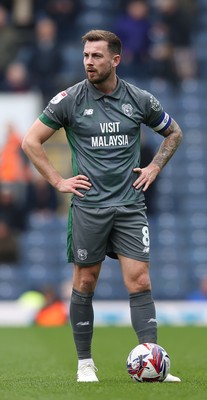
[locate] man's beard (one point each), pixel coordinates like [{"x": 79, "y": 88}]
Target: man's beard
[{"x": 100, "y": 79}]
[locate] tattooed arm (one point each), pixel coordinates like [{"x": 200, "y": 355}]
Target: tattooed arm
[{"x": 173, "y": 138}]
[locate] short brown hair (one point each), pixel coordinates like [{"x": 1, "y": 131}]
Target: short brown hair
[{"x": 114, "y": 43}]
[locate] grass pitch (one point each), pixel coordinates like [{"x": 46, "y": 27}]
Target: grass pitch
[{"x": 40, "y": 363}]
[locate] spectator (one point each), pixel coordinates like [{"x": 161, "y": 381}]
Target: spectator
[
  {"x": 162, "y": 62},
  {"x": 9, "y": 249},
  {"x": 32, "y": 298},
  {"x": 54, "y": 311},
  {"x": 14, "y": 166},
  {"x": 44, "y": 59},
  {"x": 22, "y": 14},
  {"x": 10, "y": 40},
  {"x": 133, "y": 28},
  {"x": 12, "y": 212},
  {"x": 16, "y": 78},
  {"x": 42, "y": 198},
  {"x": 15, "y": 172},
  {"x": 64, "y": 13},
  {"x": 178, "y": 23}
]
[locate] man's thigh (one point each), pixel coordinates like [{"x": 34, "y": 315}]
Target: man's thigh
[
  {"x": 135, "y": 274},
  {"x": 88, "y": 232},
  {"x": 130, "y": 234}
]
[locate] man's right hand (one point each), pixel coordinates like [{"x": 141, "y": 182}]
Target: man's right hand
[{"x": 71, "y": 185}]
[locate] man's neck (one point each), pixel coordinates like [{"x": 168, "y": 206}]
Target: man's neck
[{"x": 107, "y": 87}]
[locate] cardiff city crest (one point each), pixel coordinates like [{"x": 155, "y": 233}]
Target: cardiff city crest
[
  {"x": 82, "y": 254},
  {"x": 128, "y": 109}
]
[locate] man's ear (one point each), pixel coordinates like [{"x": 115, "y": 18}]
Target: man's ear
[{"x": 116, "y": 60}]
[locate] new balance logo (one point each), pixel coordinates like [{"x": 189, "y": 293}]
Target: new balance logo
[
  {"x": 88, "y": 111},
  {"x": 146, "y": 250}
]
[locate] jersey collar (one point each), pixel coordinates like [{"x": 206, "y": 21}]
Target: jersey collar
[{"x": 98, "y": 95}]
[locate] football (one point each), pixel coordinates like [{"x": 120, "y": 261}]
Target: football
[{"x": 148, "y": 362}]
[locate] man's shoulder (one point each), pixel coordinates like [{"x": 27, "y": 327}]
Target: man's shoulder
[
  {"x": 77, "y": 88},
  {"x": 69, "y": 95},
  {"x": 134, "y": 89}
]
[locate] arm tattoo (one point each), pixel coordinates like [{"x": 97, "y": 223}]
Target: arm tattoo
[{"x": 173, "y": 138}]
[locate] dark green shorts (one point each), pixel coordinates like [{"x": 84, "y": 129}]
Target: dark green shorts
[{"x": 94, "y": 233}]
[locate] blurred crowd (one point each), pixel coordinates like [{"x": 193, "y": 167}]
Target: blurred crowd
[
  {"x": 32, "y": 37},
  {"x": 35, "y": 34}
]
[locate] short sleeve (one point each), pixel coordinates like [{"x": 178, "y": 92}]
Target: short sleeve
[
  {"x": 58, "y": 112},
  {"x": 155, "y": 117}
]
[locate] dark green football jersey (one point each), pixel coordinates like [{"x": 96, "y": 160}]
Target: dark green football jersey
[{"x": 103, "y": 132}]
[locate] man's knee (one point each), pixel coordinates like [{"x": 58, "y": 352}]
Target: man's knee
[
  {"x": 85, "y": 278},
  {"x": 87, "y": 284},
  {"x": 143, "y": 281},
  {"x": 136, "y": 275}
]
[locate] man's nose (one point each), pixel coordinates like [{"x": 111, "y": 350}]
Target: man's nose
[{"x": 89, "y": 60}]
